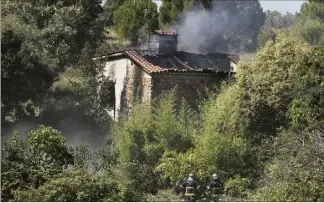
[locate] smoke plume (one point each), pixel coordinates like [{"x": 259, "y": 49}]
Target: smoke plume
[
  {"x": 74, "y": 128},
  {"x": 228, "y": 26}
]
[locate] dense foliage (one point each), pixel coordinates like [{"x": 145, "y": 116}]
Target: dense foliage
[
  {"x": 43, "y": 168},
  {"x": 134, "y": 19},
  {"x": 275, "y": 157},
  {"x": 306, "y": 24},
  {"x": 39, "y": 41},
  {"x": 263, "y": 132}
]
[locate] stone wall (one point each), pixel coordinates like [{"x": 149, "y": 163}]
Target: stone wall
[
  {"x": 133, "y": 83},
  {"x": 186, "y": 86},
  {"x": 138, "y": 85}
]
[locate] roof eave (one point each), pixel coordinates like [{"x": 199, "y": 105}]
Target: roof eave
[
  {"x": 158, "y": 70},
  {"x": 110, "y": 55},
  {"x": 192, "y": 73}
]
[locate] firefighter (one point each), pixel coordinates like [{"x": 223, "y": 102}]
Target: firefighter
[
  {"x": 189, "y": 188},
  {"x": 215, "y": 188}
]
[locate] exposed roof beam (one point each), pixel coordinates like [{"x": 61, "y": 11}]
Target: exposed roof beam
[{"x": 179, "y": 61}]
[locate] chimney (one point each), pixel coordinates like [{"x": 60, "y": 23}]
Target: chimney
[{"x": 164, "y": 42}]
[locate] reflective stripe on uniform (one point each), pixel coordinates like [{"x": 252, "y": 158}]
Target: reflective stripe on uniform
[{"x": 190, "y": 191}]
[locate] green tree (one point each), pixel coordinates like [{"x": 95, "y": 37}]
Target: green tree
[
  {"x": 58, "y": 35},
  {"x": 245, "y": 19},
  {"x": 268, "y": 90},
  {"x": 274, "y": 22},
  {"x": 313, "y": 9},
  {"x": 169, "y": 12},
  {"x": 30, "y": 163},
  {"x": 309, "y": 23},
  {"x": 275, "y": 19},
  {"x": 216, "y": 146},
  {"x": 110, "y": 7},
  {"x": 134, "y": 19},
  {"x": 235, "y": 137},
  {"x": 306, "y": 108},
  {"x": 14, "y": 173},
  {"x": 172, "y": 12},
  {"x": 42, "y": 168},
  {"x": 76, "y": 185},
  {"x": 149, "y": 131},
  {"x": 296, "y": 172},
  {"x": 310, "y": 30},
  {"x": 28, "y": 70},
  {"x": 48, "y": 146}
]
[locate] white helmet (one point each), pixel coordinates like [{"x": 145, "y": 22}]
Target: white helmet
[{"x": 215, "y": 176}]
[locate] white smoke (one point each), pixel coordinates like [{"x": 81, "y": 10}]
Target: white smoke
[
  {"x": 75, "y": 130},
  {"x": 214, "y": 29}
]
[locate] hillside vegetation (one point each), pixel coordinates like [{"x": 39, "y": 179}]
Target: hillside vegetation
[{"x": 263, "y": 132}]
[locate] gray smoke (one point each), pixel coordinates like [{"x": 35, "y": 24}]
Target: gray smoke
[
  {"x": 217, "y": 28},
  {"x": 24, "y": 127},
  {"x": 76, "y": 131}
]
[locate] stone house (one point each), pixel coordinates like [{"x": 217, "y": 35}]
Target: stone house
[{"x": 149, "y": 73}]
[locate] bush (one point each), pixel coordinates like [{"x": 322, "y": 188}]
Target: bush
[
  {"x": 30, "y": 163},
  {"x": 163, "y": 196},
  {"x": 71, "y": 186},
  {"x": 297, "y": 171},
  {"x": 48, "y": 146},
  {"x": 237, "y": 187},
  {"x": 142, "y": 138}
]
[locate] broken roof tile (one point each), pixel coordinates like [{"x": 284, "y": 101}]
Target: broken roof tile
[
  {"x": 180, "y": 62},
  {"x": 164, "y": 32}
]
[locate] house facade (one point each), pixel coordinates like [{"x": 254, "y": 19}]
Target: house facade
[{"x": 146, "y": 74}]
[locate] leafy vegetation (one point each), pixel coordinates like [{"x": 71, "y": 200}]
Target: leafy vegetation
[
  {"x": 306, "y": 24},
  {"x": 135, "y": 18},
  {"x": 39, "y": 41},
  {"x": 262, "y": 132}
]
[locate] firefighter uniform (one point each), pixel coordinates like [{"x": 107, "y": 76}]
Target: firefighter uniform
[
  {"x": 189, "y": 188},
  {"x": 215, "y": 188}
]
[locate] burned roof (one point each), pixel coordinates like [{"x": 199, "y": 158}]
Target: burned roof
[{"x": 179, "y": 62}]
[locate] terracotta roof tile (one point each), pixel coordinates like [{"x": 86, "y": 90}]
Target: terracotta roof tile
[
  {"x": 143, "y": 63},
  {"x": 164, "y": 32},
  {"x": 147, "y": 61}
]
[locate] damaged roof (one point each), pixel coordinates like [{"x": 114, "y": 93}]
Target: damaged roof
[
  {"x": 163, "y": 32},
  {"x": 179, "y": 62}
]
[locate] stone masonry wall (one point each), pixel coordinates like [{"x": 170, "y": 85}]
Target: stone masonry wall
[
  {"x": 186, "y": 86},
  {"x": 142, "y": 86},
  {"x": 138, "y": 85}
]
